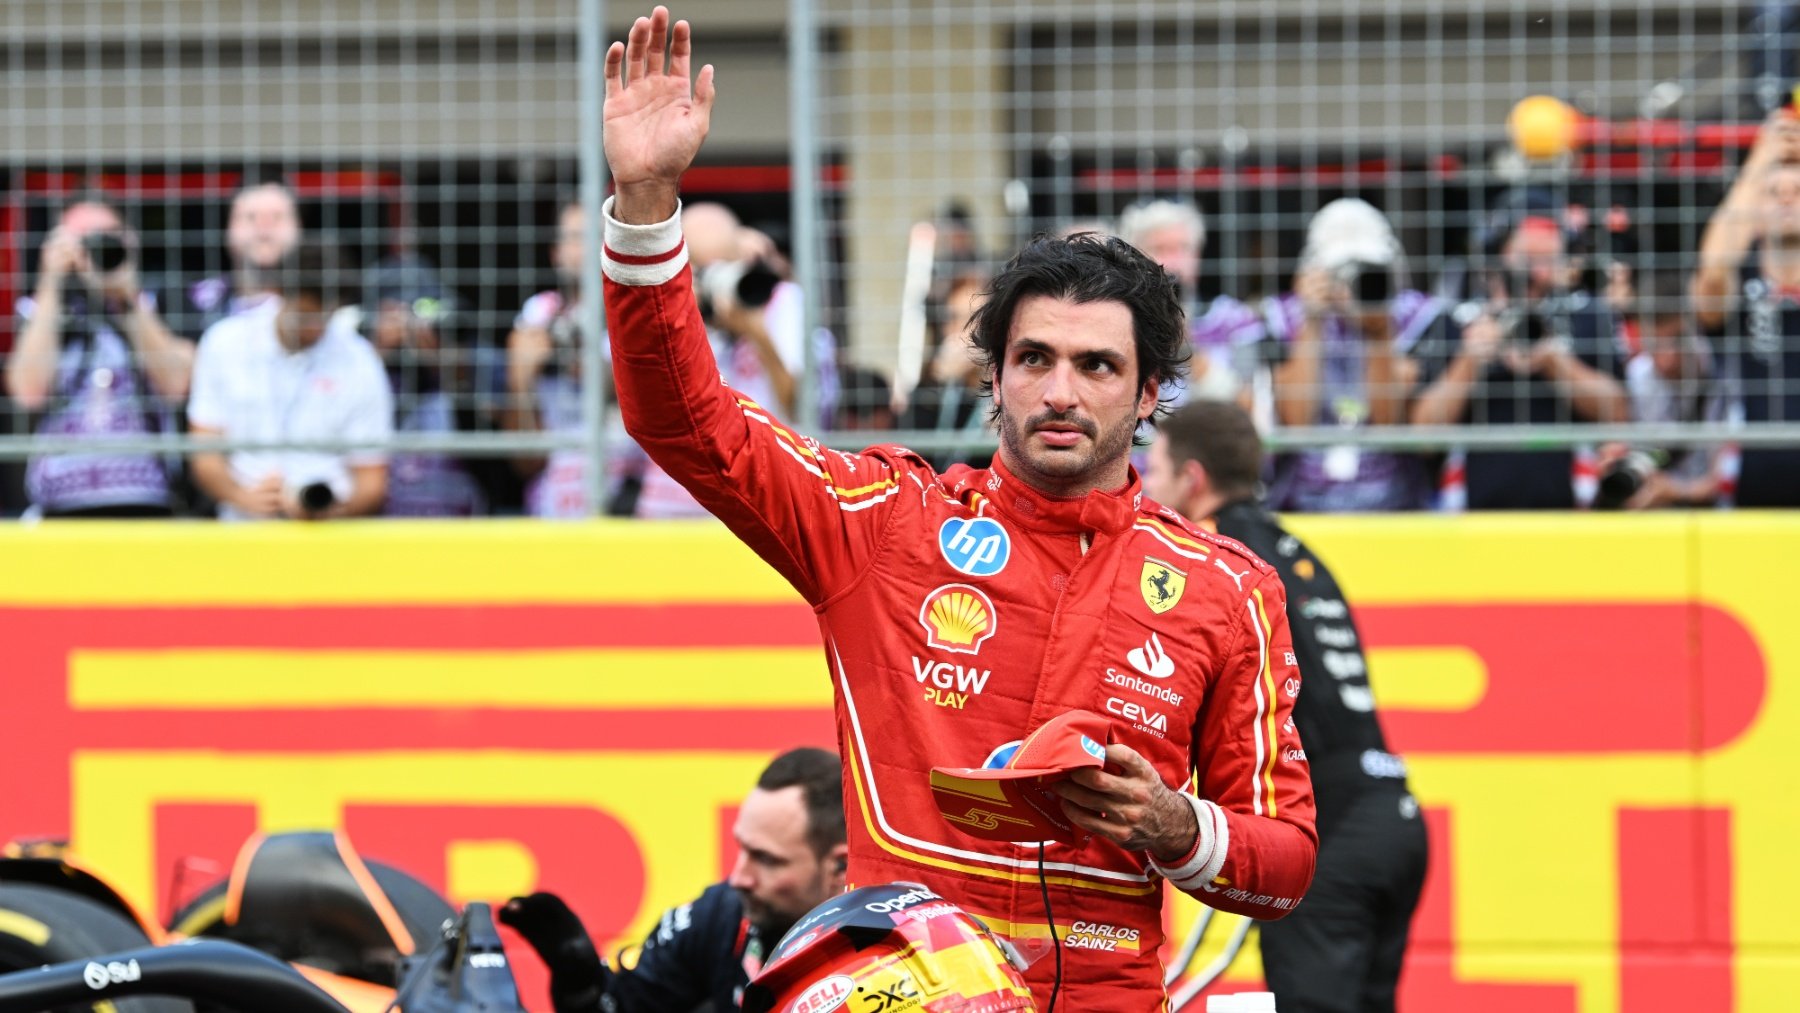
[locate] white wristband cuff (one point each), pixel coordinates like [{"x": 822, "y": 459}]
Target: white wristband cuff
[
  {"x": 642, "y": 254},
  {"x": 1209, "y": 849}
]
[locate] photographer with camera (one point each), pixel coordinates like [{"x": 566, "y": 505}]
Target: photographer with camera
[
  {"x": 791, "y": 858},
  {"x": 543, "y": 392},
  {"x": 1533, "y": 352},
  {"x": 293, "y": 370},
  {"x": 755, "y": 313},
  {"x": 94, "y": 358},
  {"x": 1345, "y": 331}
]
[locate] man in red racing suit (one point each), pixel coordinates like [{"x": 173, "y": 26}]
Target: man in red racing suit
[{"x": 960, "y": 611}]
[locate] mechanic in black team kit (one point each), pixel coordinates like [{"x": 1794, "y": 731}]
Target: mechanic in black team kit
[
  {"x": 1341, "y": 950},
  {"x": 791, "y": 857}
]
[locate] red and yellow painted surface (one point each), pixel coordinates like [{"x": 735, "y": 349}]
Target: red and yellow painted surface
[{"x": 1599, "y": 712}]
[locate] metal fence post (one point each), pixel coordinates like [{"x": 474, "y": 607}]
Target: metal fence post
[
  {"x": 592, "y": 319},
  {"x": 807, "y": 216}
]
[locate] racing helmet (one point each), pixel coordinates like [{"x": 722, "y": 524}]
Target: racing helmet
[{"x": 897, "y": 943}]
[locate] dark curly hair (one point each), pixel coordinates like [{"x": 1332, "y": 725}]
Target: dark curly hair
[{"x": 1086, "y": 268}]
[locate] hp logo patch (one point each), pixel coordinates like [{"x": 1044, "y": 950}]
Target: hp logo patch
[
  {"x": 1092, "y": 748},
  {"x": 977, "y": 546}
]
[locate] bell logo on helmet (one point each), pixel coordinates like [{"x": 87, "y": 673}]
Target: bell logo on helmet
[
  {"x": 958, "y": 618},
  {"x": 827, "y": 995}
]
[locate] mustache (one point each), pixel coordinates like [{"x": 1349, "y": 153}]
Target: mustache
[{"x": 1042, "y": 419}]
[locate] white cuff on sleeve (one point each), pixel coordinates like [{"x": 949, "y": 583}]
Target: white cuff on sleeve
[
  {"x": 642, "y": 254},
  {"x": 1208, "y": 856}
]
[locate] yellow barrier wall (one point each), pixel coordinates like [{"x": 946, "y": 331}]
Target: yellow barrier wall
[{"x": 1594, "y": 709}]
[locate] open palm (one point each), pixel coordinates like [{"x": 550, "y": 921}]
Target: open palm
[{"x": 655, "y": 119}]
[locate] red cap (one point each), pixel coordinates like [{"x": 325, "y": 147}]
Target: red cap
[
  {"x": 1540, "y": 223},
  {"x": 1014, "y": 802}
]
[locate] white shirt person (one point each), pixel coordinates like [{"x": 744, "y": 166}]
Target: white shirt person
[{"x": 289, "y": 371}]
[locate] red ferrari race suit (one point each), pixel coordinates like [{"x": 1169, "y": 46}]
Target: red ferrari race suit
[{"x": 959, "y": 612}]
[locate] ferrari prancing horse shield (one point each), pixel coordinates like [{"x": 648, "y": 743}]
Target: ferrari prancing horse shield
[{"x": 1162, "y": 585}]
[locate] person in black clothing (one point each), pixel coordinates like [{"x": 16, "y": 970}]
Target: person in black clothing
[
  {"x": 1341, "y": 950},
  {"x": 1533, "y": 352},
  {"x": 1747, "y": 294},
  {"x": 701, "y": 955}
]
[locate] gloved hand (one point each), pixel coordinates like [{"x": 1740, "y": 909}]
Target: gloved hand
[{"x": 578, "y": 976}]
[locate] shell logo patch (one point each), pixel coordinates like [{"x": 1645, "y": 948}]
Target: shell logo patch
[{"x": 958, "y": 618}]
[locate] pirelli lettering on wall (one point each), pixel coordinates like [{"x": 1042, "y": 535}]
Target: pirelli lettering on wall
[{"x": 127, "y": 671}]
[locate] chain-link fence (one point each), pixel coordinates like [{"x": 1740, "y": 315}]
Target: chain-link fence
[
  {"x": 1411, "y": 234},
  {"x": 1441, "y": 228}
]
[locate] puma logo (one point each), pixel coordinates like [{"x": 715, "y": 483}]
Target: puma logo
[{"x": 1236, "y": 578}]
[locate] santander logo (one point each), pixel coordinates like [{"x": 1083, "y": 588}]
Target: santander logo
[{"x": 1151, "y": 659}]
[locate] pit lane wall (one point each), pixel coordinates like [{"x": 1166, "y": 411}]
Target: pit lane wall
[{"x": 1600, "y": 714}]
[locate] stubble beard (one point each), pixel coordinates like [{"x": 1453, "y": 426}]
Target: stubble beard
[{"x": 1064, "y": 472}]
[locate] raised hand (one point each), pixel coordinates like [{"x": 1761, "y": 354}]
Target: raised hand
[
  {"x": 655, "y": 118},
  {"x": 1320, "y": 292},
  {"x": 1483, "y": 339},
  {"x": 62, "y": 255},
  {"x": 1775, "y": 143}
]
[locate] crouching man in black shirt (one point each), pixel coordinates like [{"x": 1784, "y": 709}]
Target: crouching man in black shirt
[
  {"x": 1341, "y": 950},
  {"x": 791, "y": 858}
]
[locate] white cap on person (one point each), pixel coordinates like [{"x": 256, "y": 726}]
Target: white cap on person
[{"x": 1350, "y": 230}]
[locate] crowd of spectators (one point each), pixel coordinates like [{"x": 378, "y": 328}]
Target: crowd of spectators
[
  {"x": 283, "y": 348},
  {"x": 294, "y": 346},
  {"x": 1535, "y": 329}
]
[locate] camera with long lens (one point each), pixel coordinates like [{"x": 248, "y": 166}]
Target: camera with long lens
[
  {"x": 749, "y": 283},
  {"x": 1525, "y": 319},
  {"x": 1622, "y": 479},
  {"x": 1370, "y": 284},
  {"x": 317, "y": 497},
  {"x": 107, "y": 251}
]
